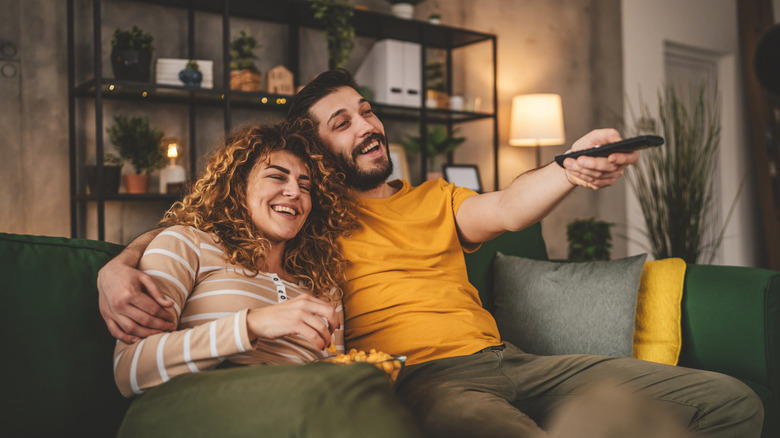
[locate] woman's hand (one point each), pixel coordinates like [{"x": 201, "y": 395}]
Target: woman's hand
[
  {"x": 597, "y": 172},
  {"x": 304, "y": 315}
]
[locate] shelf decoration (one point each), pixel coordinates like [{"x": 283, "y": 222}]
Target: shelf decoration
[
  {"x": 244, "y": 74},
  {"x": 138, "y": 143},
  {"x": 336, "y": 15},
  {"x": 131, "y": 54},
  {"x": 191, "y": 76},
  {"x": 403, "y": 8},
  {"x": 172, "y": 176},
  {"x": 437, "y": 142},
  {"x": 281, "y": 81},
  {"x": 112, "y": 171},
  {"x": 167, "y": 71}
]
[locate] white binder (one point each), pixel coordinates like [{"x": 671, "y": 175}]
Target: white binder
[{"x": 393, "y": 71}]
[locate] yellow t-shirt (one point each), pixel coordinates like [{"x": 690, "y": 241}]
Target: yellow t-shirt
[{"x": 408, "y": 291}]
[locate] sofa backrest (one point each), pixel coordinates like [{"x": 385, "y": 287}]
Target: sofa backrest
[
  {"x": 57, "y": 372},
  {"x": 526, "y": 243}
]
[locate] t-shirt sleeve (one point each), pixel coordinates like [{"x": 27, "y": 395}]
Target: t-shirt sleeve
[{"x": 460, "y": 194}]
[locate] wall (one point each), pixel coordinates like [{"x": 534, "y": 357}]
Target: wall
[
  {"x": 569, "y": 47},
  {"x": 647, "y": 27}
]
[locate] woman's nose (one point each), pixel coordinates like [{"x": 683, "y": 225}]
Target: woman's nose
[{"x": 292, "y": 190}]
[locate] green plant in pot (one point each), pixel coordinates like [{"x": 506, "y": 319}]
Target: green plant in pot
[
  {"x": 140, "y": 144},
  {"x": 244, "y": 74},
  {"x": 131, "y": 54},
  {"x": 336, "y": 16},
  {"x": 438, "y": 142},
  {"x": 589, "y": 239},
  {"x": 112, "y": 171}
]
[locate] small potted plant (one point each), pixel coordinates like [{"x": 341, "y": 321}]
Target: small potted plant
[
  {"x": 191, "y": 75},
  {"x": 438, "y": 142},
  {"x": 140, "y": 144},
  {"x": 112, "y": 170},
  {"x": 244, "y": 74},
  {"x": 131, "y": 54},
  {"x": 336, "y": 15},
  {"x": 589, "y": 239}
]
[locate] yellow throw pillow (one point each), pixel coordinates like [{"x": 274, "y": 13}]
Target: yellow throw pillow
[{"x": 657, "y": 331}]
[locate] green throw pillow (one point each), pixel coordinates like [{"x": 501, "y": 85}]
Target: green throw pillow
[{"x": 550, "y": 308}]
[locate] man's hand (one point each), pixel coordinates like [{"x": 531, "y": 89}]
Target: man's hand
[
  {"x": 131, "y": 304},
  {"x": 310, "y": 317},
  {"x": 597, "y": 172}
]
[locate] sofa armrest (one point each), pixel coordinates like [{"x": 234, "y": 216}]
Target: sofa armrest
[{"x": 731, "y": 323}]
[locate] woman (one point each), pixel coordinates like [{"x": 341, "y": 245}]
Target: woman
[{"x": 250, "y": 262}]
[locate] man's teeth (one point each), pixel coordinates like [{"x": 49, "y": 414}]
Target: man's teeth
[
  {"x": 370, "y": 146},
  {"x": 283, "y": 209}
]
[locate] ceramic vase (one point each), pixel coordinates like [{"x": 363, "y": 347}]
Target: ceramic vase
[
  {"x": 191, "y": 77},
  {"x": 131, "y": 65},
  {"x": 136, "y": 182}
]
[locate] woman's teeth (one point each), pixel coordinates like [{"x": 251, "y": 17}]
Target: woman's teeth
[{"x": 283, "y": 209}]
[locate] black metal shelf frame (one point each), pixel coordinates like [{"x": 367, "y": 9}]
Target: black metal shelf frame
[{"x": 295, "y": 14}]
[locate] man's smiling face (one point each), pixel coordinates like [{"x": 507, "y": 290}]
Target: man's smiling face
[{"x": 349, "y": 127}]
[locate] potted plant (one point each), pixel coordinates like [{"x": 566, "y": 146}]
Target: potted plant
[
  {"x": 131, "y": 54},
  {"x": 339, "y": 32},
  {"x": 140, "y": 144},
  {"x": 191, "y": 75},
  {"x": 112, "y": 170},
  {"x": 589, "y": 239},
  {"x": 244, "y": 74},
  {"x": 403, "y": 8},
  {"x": 437, "y": 143},
  {"x": 674, "y": 183}
]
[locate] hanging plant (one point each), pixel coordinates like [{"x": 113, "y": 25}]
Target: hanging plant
[{"x": 336, "y": 16}]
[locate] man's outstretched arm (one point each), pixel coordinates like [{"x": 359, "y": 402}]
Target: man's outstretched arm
[
  {"x": 534, "y": 194},
  {"x": 129, "y": 300}
]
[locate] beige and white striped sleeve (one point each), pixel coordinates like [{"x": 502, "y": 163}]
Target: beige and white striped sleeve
[{"x": 173, "y": 260}]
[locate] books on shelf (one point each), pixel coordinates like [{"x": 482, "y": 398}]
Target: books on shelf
[{"x": 167, "y": 71}]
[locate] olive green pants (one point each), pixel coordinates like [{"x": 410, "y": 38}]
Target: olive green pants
[
  {"x": 507, "y": 393},
  {"x": 314, "y": 400}
]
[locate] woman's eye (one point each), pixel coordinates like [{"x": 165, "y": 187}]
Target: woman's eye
[
  {"x": 368, "y": 111},
  {"x": 306, "y": 189}
]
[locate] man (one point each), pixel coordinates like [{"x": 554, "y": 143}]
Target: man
[{"x": 408, "y": 291}]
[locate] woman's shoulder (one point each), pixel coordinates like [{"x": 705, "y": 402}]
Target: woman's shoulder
[{"x": 188, "y": 233}]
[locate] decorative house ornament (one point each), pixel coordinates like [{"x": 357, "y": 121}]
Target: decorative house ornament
[{"x": 280, "y": 81}]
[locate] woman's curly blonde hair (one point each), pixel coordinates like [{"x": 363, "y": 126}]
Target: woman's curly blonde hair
[{"x": 217, "y": 204}]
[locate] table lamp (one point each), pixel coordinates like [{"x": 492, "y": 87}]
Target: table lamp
[
  {"x": 172, "y": 176},
  {"x": 537, "y": 120}
]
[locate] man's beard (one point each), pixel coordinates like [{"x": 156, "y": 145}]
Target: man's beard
[{"x": 361, "y": 180}]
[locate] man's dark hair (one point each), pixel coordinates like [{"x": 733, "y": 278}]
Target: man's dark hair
[{"x": 324, "y": 84}]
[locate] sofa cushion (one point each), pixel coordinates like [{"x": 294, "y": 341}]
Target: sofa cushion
[
  {"x": 58, "y": 352},
  {"x": 657, "y": 331},
  {"x": 550, "y": 308}
]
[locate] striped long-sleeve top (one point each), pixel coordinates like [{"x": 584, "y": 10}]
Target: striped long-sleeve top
[{"x": 211, "y": 300}]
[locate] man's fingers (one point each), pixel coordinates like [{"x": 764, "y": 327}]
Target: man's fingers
[
  {"x": 117, "y": 332},
  {"x": 130, "y": 327},
  {"x": 151, "y": 288}
]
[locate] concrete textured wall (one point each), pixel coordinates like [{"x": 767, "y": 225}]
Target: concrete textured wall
[{"x": 571, "y": 47}]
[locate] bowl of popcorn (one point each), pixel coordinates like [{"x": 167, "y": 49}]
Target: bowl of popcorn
[{"x": 389, "y": 363}]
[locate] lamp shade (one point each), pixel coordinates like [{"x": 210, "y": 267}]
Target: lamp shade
[{"x": 537, "y": 120}]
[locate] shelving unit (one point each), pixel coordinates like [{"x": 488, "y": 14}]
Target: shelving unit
[{"x": 295, "y": 14}]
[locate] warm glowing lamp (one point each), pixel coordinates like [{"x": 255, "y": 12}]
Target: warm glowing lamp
[
  {"x": 537, "y": 120},
  {"x": 173, "y": 176}
]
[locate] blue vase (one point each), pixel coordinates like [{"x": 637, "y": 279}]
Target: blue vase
[{"x": 191, "y": 78}]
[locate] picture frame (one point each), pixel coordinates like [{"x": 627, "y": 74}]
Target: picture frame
[
  {"x": 397, "y": 155},
  {"x": 463, "y": 175}
]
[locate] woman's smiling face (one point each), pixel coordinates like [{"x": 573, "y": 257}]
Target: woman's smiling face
[{"x": 278, "y": 196}]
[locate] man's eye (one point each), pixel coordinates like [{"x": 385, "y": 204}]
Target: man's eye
[{"x": 341, "y": 124}]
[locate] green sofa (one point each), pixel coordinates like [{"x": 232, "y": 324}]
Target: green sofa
[{"x": 58, "y": 378}]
